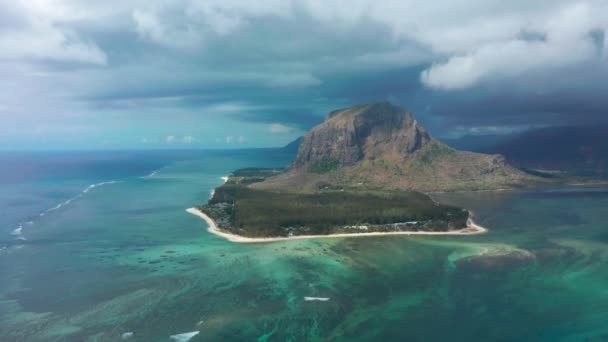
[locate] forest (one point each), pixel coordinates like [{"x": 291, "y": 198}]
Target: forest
[{"x": 255, "y": 213}]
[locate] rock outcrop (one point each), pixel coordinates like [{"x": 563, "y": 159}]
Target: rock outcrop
[
  {"x": 380, "y": 145},
  {"x": 378, "y": 130}
]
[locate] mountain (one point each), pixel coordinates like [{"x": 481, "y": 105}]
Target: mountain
[
  {"x": 479, "y": 143},
  {"x": 580, "y": 150},
  {"x": 293, "y": 146},
  {"x": 382, "y": 146}
]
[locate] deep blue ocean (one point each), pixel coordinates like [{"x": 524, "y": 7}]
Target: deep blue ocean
[{"x": 97, "y": 246}]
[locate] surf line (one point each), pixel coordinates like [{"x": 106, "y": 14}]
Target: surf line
[{"x": 18, "y": 232}]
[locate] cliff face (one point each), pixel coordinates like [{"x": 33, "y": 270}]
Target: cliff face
[
  {"x": 373, "y": 131},
  {"x": 380, "y": 145}
]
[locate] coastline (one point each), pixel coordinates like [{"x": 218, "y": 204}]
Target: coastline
[{"x": 471, "y": 229}]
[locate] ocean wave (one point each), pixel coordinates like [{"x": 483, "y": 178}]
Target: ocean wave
[
  {"x": 318, "y": 299},
  {"x": 96, "y": 185},
  {"x": 185, "y": 337},
  {"x": 18, "y": 232},
  {"x": 153, "y": 173},
  {"x": 84, "y": 191},
  {"x": 212, "y": 192},
  {"x": 127, "y": 335}
]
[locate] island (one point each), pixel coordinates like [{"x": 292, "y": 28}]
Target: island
[
  {"x": 365, "y": 171},
  {"x": 240, "y": 213}
]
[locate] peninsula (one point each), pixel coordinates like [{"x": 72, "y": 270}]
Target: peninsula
[{"x": 363, "y": 172}]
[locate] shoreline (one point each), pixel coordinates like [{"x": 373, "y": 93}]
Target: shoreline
[{"x": 471, "y": 229}]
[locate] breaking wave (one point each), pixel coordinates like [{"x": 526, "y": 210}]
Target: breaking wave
[
  {"x": 185, "y": 337},
  {"x": 18, "y": 232},
  {"x": 153, "y": 173},
  {"x": 68, "y": 201},
  {"x": 318, "y": 299},
  {"x": 212, "y": 192}
]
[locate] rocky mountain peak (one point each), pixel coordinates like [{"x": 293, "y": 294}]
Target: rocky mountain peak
[{"x": 371, "y": 131}]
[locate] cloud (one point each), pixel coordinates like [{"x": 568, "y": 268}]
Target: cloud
[
  {"x": 229, "y": 139},
  {"x": 188, "y": 139},
  {"x": 294, "y": 80},
  {"x": 233, "y": 67},
  {"x": 566, "y": 40},
  {"x": 169, "y": 139},
  {"x": 287, "y": 114},
  {"x": 279, "y": 128},
  {"x": 149, "y": 26},
  {"x": 187, "y": 23},
  {"x": 39, "y": 32},
  {"x": 45, "y": 41}
]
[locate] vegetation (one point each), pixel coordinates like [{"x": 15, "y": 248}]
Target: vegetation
[
  {"x": 434, "y": 152},
  {"x": 324, "y": 165},
  {"x": 257, "y": 172},
  {"x": 252, "y": 175},
  {"x": 251, "y": 212}
]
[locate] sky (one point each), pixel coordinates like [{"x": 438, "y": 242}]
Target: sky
[{"x": 235, "y": 74}]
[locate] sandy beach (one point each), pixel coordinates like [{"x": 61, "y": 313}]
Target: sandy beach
[{"x": 470, "y": 229}]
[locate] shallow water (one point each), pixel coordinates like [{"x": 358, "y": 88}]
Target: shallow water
[{"x": 126, "y": 257}]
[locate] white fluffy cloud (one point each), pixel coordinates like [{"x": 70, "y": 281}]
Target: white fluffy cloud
[
  {"x": 566, "y": 38},
  {"x": 279, "y": 128},
  {"x": 185, "y": 23},
  {"x": 229, "y": 139},
  {"x": 41, "y": 30}
]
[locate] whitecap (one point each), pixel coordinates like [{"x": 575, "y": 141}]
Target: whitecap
[
  {"x": 212, "y": 193},
  {"x": 153, "y": 173},
  {"x": 18, "y": 230},
  {"x": 104, "y": 183},
  {"x": 225, "y": 179},
  {"x": 84, "y": 191},
  {"x": 127, "y": 335},
  {"x": 55, "y": 207},
  {"x": 319, "y": 299},
  {"x": 185, "y": 337}
]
